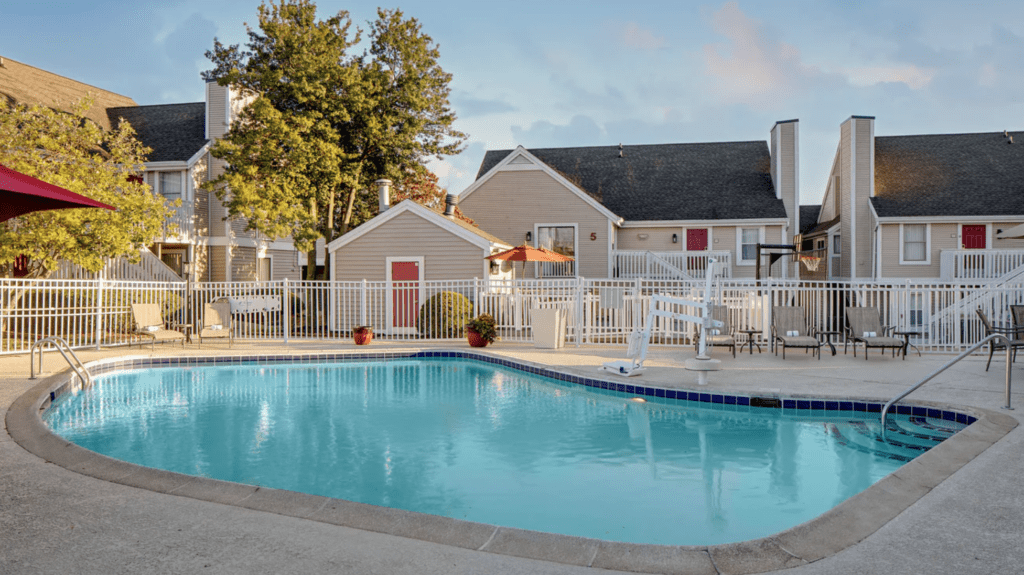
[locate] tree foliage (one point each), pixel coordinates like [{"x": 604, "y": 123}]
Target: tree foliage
[
  {"x": 323, "y": 123},
  {"x": 70, "y": 151}
]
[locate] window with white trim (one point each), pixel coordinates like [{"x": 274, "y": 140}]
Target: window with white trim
[
  {"x": 749, "y": 238},
  {"x": 915, "y": 242},
  {"x": 170, "y": 185},
  {"x": 562, "y": 240}
]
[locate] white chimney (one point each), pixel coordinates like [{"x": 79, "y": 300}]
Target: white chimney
[{"x": 384, "y": 191}]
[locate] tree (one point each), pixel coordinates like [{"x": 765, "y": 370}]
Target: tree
[
  {"x": 421, "y": 187},
  {"x": 68, "y": 150},
  {"x": 322, "y": 123}
]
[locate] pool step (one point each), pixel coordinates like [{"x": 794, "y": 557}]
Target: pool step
[{"x": 905, "y": 438}]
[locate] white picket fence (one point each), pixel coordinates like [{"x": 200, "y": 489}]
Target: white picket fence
[{"x": 89, "y": 313}]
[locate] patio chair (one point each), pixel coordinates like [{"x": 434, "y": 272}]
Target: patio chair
[
  {"x": 789, "y": 329},
  {"x": 1012, "y": 333},
  {"x": 724, "y": 336},
  {"x": 217, "y": 323},
  {"x": 864, "y": 325},
  {"x": 149, "y": 323}
]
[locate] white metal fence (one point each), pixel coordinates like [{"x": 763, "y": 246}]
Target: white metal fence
[
  {"x": 982, "y": 264},
  {"x": 88, "y": 313}
]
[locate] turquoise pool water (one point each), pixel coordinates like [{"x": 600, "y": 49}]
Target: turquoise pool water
[{"x": 480, "y": 442}]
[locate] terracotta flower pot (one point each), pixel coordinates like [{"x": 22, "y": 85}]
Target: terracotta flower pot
[
  {"x": 362, "y": 337},
  {"x": 475, "y": 339}
]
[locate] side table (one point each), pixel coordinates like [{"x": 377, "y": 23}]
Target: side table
[
  {"x": 906, "y": 341},
  {"x": 185, "y": 328},
  {"x": 750, "y": 340},
  {"x": 828, "y": 339}
]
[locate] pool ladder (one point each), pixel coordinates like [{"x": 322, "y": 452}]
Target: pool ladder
[
  {"x": 992, "y": 338},
  {"x": 62, "y": 346}
]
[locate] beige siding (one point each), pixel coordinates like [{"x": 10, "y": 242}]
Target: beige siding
[
  {"x": 218, "y": 263},
  {"x": 243, "y": 264},
  {"x": 845, "y": 165},
  {"x": 201, "y": 263},
  {"x": 864, "y": 178},
  {"x": 510, "y": 203},
  {"x": 445, "y": 255},
  {"x": 201, "y": 201},
  {"x": 939, "y": 240},
  {"x": 658, "y": 239},
  {"x": 216, "y": 110},
  {"x": 1009, "y": 243},
  {"x": 284, "y": 265},
  {"x": 785, "y": 181}
]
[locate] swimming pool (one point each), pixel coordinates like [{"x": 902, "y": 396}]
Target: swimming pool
[{"x": 496, "y": 445}]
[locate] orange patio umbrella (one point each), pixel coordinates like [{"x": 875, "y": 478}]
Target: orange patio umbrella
[{"x": 527, "y": 253}]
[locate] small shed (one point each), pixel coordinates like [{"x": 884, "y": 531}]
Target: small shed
[{"x": 400, "y": 249}]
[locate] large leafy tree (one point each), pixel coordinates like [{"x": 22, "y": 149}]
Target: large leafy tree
[
  {"x": 323, "y": 123},
  {"x": 68, "y": 150}
]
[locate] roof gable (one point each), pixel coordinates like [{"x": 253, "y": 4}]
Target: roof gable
[
  {"x": 24, "y": 84},
  {"x": 949, "y": 175},
  {"x": 458, "y": 228},
  {"x": 729, "y": 180},
  {"x": 521, "y": 159}
]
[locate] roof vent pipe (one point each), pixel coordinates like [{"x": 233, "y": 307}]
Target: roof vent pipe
[
  {"x": 620, "y": 150},
  {"x": 450, "y": 201},
  {"x": 1009, "y": 140},
  {"x": 384, "y": 192}
]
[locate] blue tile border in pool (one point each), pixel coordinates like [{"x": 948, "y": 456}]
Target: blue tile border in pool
[{"x": 801, "y": 406}]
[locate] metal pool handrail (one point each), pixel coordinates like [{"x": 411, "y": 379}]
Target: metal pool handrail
[
  {"x": 60, "y": 345},
  {"x": 1009, "y": 362}
]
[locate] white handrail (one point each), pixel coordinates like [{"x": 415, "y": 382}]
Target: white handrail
[
  {"x": 991, "y": 338},
  {"x": 60, "y": 345}
]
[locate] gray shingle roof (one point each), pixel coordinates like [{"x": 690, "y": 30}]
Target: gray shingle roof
[
  {"x": 174, "y": 131},
  {"x": 808, "y": 218},
  {"x": 728, "y": 180},
  {"x": 949, "y": 175}
]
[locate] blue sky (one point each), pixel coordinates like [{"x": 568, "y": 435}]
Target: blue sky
[{"x": 558, "y": 73}]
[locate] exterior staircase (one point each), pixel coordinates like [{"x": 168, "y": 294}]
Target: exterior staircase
[{"x": 149, "y": 268}]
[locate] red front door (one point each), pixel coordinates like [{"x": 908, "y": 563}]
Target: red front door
[
  {"x": 696, "y": 241},
  {"x": 973, "y": 237},
  {"x": 405, "y": 294}
]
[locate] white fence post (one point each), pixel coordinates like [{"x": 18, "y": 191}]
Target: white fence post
[
  {"x": 99, "y": 311},
  {"x": 579, "y": 310},
  {"x": 286, "y": 311}
]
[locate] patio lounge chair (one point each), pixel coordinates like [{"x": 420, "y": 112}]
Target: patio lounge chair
[
  {"x": 724, "y": 336},
  {"x": 865, "y": 326},
  {"x": 789, "y": 329},
  {"x": 217, "y": 323},
  {"x": 149, "y": 323},
  {"x": 1012, "y": 333}
]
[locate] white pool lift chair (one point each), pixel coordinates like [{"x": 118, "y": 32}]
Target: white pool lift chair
[{"x": 640, "y": 339}]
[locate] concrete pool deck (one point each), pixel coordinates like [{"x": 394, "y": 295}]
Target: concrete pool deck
[{"x": 54, "y": 519}]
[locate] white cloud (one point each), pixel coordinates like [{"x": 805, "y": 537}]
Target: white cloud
[
  {"x": 913, "y": 76},
  {"x": 752, "y": 68}
]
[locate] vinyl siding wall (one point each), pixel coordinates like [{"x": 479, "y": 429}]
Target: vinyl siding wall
[
  {"x": 284, "y": 265},
  {"x": 658, "y": 239},
  {"x": 445, "y": 255},
  {"x": 939, "y": 240},
  {"x": 510, "y": 203},
  {"x": 865, "y": 259}
]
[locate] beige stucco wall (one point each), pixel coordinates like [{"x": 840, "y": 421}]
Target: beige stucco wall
[
  {"x": 445, "y": 255},
  {"x": 511, "y": 203}
]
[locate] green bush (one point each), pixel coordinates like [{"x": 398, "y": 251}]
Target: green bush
[{"x": 444, "y": 315}]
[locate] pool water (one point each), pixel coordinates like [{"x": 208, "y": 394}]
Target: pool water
[{"x": 479, "y": 442}]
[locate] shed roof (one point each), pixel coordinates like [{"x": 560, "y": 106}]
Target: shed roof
[
  {"x": 725, "y": 180},
  {"x": 949, "y": 175},
  {"x": 24, "y": 84},
  {"x": 175, "y": 132}
]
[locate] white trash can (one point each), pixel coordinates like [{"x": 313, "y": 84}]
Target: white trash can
[{"x": 548, "y": 328}]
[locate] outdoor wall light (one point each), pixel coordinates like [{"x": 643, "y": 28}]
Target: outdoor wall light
[
  {"x": 675, "y": 238},
  {"x": 529, "y": 236}
]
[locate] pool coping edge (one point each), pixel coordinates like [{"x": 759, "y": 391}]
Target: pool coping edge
[{"x": 839, "y": 528}]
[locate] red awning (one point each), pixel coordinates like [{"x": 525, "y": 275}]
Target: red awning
[{"x": 21, "y": 194}]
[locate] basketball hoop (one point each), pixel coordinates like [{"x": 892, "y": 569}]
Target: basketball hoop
[{"x": 810, "y": 262}]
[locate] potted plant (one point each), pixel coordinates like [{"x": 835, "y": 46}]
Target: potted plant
[
  {"x": 362, "y": 334},
  {"x": 480, "y": 330}
]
